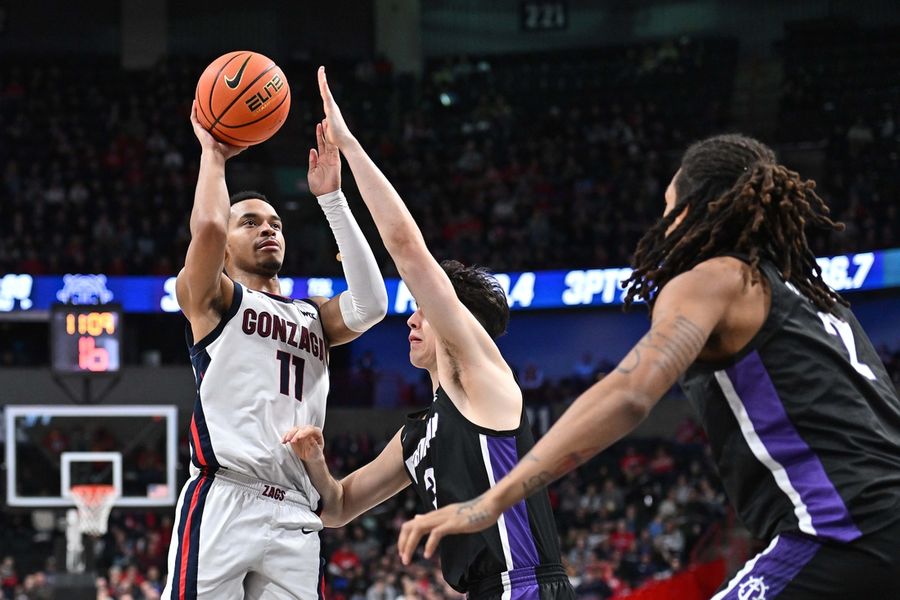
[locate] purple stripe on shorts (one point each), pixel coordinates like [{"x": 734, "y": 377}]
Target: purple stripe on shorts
[
  {"x": 757, "y": 393},
  {"x": 521, "y": 541},
  {"x": 529, "y": 591},
  {"x": 774, "y": 570}
]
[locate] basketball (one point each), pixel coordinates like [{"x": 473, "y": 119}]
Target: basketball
[{"x": 243, "y": 98}]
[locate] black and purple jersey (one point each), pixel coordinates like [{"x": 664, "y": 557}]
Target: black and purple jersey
[
  {"x": 804, "y": 423},
  {"x": 450, "y": 459}
]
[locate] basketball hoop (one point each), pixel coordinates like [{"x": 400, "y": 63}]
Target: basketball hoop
[{"x": 94, "y": 502}]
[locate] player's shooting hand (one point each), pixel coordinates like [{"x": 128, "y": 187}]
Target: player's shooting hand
[
  {"x": 336, "y": 131},
  {"x": 324, "y": 173},
  {"x": 307, "y": 442},
  {"x": 208, "y": 142},
  {"x": 466, "y": 517}
]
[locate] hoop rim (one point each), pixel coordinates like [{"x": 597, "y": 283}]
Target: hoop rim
[{"x": 93, "y": 493}]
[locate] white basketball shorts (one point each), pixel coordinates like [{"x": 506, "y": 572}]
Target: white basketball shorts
[{"x": 237, "y": 537}]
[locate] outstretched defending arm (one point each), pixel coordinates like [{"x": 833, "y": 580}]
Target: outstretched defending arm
[
  {"x": 365, "y": 302},
  {"x": 201, "y": 288},
  {"x": 364, "y": 488},
  {"x": 427, "y": 281},
  {"x": 687, "y": 312}
]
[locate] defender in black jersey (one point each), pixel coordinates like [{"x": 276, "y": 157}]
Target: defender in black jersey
[
  {"x": 803, "y": 421},
  {"x": 449, "y": 459},
  {"x": 475, "y": 430}
]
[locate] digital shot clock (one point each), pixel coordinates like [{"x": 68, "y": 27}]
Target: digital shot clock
[{"x": 85, "y": 338}]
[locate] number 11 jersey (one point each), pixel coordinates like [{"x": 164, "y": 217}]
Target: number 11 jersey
[{"x": 261, "y": 371}]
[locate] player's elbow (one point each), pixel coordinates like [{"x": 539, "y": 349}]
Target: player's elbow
[
  {"x": 636, "y": 406},
  {"x": 406, "y": 245},
  {"x": 332, "y": 519},
  {"x": 380, "y": 304}
]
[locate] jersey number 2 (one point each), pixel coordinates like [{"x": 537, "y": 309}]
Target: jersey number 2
[
  {"x": 431, "y": 484},
  {"x": 842, "y": 330},
  {"x": 287, "y": 359}
]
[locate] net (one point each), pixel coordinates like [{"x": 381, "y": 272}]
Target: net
[{"x": 94, "y": 502}]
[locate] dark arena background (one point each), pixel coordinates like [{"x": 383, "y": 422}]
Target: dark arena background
[{"x": 534, "y": 137}]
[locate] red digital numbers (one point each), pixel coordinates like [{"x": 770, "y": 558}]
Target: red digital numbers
[{"x": 90, "y": 357}]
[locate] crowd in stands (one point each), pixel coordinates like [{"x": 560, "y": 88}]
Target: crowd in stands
[
  {"x": 833, "y": 98},
  {"x": 99, "y": 170},
  {"x": 554, "y": 160}
]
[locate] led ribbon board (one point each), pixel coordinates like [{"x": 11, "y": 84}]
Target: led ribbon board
[{"x": 526, "y": 291}]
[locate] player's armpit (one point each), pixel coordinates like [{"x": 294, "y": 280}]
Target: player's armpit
[{"x": 203, "y": 309}]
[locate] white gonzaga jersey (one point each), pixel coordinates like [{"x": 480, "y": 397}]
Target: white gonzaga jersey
[{"x": 261, "y": 371}]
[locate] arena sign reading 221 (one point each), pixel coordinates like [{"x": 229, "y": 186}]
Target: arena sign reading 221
[{"x": 525, "y": 291}]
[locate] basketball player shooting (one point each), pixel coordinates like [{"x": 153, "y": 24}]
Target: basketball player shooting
[
  {"x": 802, "y": 419},
  {"x": 245, "y": 521},
  {"x": 475, "y": 429}
]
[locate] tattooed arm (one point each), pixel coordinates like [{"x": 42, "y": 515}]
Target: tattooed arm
[{"x": 688, "y": 310}]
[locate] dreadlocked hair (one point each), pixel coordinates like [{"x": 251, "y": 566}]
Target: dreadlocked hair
[{"x": 735, "y": 198}]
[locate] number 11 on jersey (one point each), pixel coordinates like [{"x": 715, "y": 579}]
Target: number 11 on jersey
[{"x": 286, "y": 359}]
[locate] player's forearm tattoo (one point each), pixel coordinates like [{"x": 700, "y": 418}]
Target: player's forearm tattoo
[
  {"x": 536, "y": 482},
  {"x": 567, "y": 463},
  {"x": 472, "y": 512},
  {"x": 676, "y": 343}
]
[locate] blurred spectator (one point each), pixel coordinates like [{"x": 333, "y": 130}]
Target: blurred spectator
[
  {"x": 584, "y": 370},
  {"x": 8, "y": 578}
]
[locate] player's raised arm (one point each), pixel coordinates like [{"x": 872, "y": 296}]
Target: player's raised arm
[
  {"x": 364, "y": 303},
  {"x": 200, "y": 283},
  {"x": 425, "y": 278},
  {"x": 364, "y": 488},
  {"x": 686, "y": 313}
]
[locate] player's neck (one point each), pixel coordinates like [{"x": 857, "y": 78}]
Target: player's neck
[
  {"x": 260, "y": 283},
  {"x": 435, "y": 379}
]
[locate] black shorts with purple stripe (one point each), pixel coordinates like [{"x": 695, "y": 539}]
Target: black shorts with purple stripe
[
  {"x": 545, "y": 582},
  {"x": 796, "y": 566}
]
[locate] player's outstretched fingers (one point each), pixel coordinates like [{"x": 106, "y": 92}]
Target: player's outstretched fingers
[
  {"x": 433, "y": 540},
  {"x": 408, "y": 540},
  {"x": 413, "y": 531},
  {"x": 324, "y": 90}
]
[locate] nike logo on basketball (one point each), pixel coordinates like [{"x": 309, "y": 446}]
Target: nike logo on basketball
[{"x": 235, "y": 81}]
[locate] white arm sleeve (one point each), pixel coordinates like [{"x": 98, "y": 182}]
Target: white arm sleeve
[{"x": 365, "y": 302}]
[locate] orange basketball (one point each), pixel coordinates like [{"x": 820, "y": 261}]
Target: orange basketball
[{"x": 243, "y": 98}]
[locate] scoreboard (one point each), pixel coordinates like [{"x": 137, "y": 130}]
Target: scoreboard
[{"x": 85, "y": 338}]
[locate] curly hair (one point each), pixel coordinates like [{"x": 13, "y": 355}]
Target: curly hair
[
  {"x": 734, "y": 197},
  {"x": 480, "y": 292}
]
